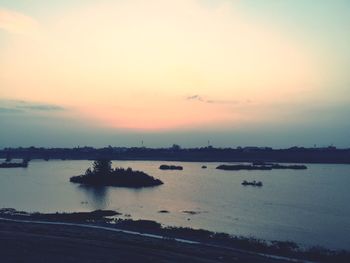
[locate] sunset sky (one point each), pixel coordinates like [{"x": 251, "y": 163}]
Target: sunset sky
[{"x": 237, "y": 73}]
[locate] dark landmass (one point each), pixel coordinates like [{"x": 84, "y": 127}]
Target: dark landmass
[
  {"x": 224, "y": 245},
  {"x": 238, "y": 167},
  {"x": 204, "y": 167},
  {"x": 205, "y": 154},
  {"x": 170, "y": 167}
]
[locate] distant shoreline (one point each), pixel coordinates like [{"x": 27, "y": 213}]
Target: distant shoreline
[{"x": 328, "y": 155}]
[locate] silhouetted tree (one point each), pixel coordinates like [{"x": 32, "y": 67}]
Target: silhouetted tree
[
  {"x": 88, "y": 172},
  {"x": 102, "y": 167},
  {"x": 176, "y": 147}
]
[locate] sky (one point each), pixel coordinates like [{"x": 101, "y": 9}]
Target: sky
[{"x": 234, "y": 73}]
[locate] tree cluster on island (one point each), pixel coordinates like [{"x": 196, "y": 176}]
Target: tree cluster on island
[{"x": 103, "y": 174}]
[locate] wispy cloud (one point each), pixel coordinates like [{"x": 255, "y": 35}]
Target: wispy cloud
[
  {"x": 195, "y": 97},
  {"x": 17, "y": 23},
  {"x": 20, "y": 106},
  {"x": 204, "y": 100},
  {"x": 222, "y": 101},
  {"x": 42, "y": 107}
]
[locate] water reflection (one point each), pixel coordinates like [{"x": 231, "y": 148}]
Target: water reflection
[{"x": 97, "y": 197}]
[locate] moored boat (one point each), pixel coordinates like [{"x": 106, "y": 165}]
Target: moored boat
[{"x": 252, "y": 183}]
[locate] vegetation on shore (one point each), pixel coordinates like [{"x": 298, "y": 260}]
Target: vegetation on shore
[
  {"x": 103, "y": 174},
  {"x": 77, "y": 216}
]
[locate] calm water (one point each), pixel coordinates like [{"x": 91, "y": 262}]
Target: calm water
[{"x": 310, "y": 207}]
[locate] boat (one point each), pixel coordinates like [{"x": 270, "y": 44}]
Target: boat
[{"x": 252, "y": 183}]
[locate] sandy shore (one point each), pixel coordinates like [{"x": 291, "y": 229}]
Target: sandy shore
[{"x": 28, "y": 242}]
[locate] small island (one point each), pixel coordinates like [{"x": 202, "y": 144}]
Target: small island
[
  {"x": 8, "y": 164},
  {"x": 293, "y": 166},
  {"x": 237, "y": 167},
  {"x": 170, "y": 167},
  {"x": 254, "y": 166},
  {"x": 103, "y": 174}
]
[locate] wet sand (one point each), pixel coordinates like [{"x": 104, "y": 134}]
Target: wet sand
[{"x": 28, "y": 242}]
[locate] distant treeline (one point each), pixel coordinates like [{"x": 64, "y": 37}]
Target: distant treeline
[{"x": 176, "y": 153}]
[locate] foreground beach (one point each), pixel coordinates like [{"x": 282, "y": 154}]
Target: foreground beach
[
  {"x": 98, "y": 236},
  {"x": 29, "y": 242}
]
